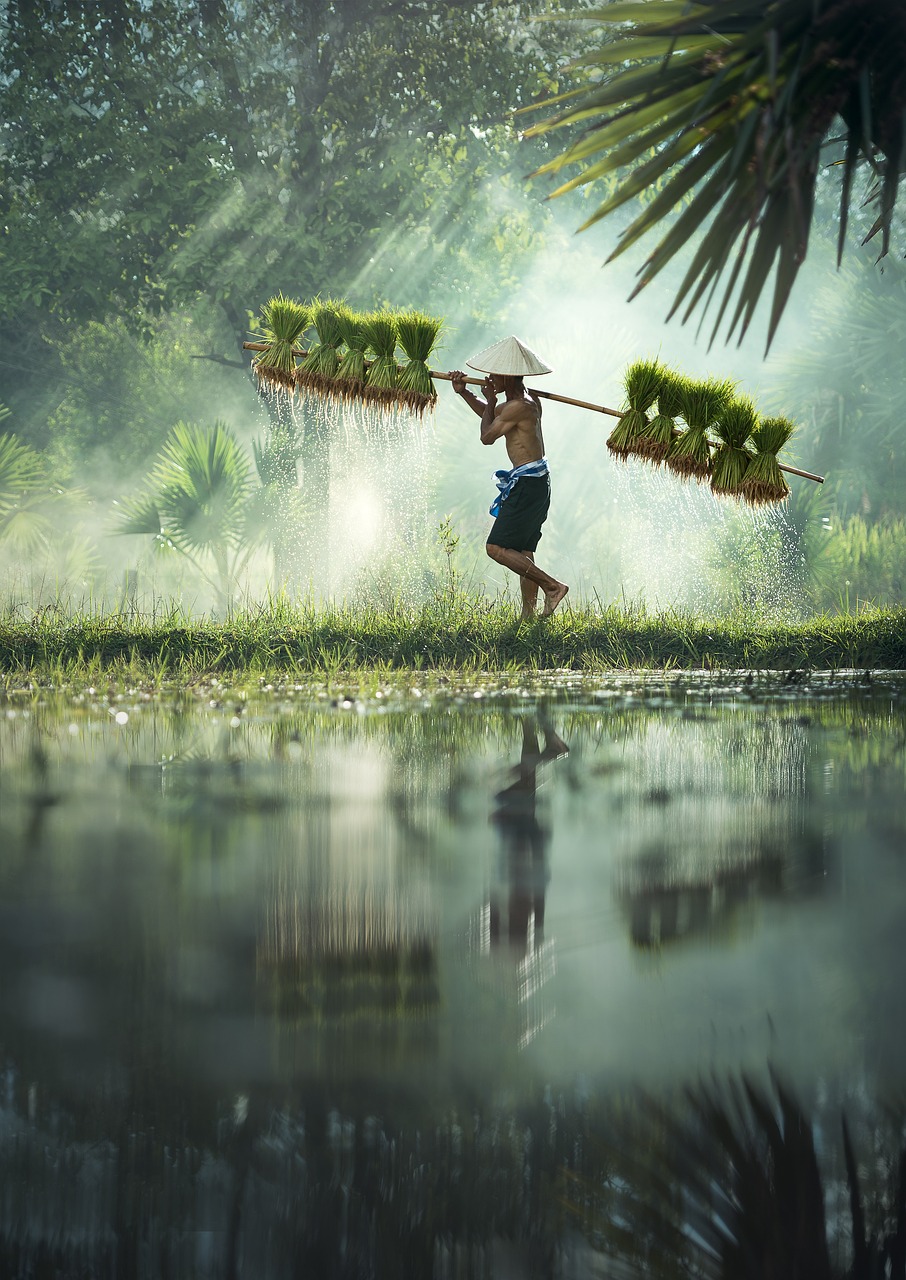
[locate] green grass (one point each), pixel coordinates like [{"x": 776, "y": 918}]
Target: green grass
[{"x": 468, "y": 635}]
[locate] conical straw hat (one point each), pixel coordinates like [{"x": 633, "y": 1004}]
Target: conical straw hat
[{"x": 511, "y": 358}]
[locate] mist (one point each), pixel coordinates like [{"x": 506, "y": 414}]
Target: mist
[{"x": 397, "y": 503}]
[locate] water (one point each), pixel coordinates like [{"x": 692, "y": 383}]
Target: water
[{"x": 303, "y": 981}]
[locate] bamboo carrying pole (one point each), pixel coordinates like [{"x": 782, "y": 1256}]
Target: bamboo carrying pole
[{"x": 552, "y": 395}]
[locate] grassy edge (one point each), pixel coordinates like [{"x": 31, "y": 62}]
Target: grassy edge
[{"x": 466, "y": 636}]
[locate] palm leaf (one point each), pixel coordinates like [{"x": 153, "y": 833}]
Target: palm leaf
[{"x": 747, "y": 90}]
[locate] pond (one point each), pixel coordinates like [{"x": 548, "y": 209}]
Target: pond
[{"x": 410, "y": 981}]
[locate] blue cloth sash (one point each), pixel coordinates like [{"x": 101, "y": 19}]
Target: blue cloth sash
[{"x": 506, "y": 480}]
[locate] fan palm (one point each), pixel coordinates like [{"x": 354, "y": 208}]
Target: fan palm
[
  {"x": 199, "y": 503},
  {"x": 23, "y": 485},
  {"x": 728, "y": 105}
]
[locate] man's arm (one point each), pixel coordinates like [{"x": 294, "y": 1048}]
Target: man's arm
[{"x": 458, "y": 379}]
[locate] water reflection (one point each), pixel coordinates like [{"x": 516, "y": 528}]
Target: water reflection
[{"x": 280, "y": 971}]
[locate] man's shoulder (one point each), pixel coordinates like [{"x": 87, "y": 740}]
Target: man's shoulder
[{"x": 518, "y": 411}]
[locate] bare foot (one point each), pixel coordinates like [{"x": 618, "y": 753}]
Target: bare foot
[
  {"x": 552, "y": 598},
  {"x": 527, "y": 615}
]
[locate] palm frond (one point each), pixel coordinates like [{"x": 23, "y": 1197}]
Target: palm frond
[
  {"x": 200, "y": 484},
  {"x": 22, "y": 472},
  {"x": 736, "y": 98}
]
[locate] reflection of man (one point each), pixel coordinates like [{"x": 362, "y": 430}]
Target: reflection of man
[
  {"x": 523, "y": 845},
  {"x": 522, "y": 504}
]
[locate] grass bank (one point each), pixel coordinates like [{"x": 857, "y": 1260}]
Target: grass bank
[{"x": 468, "y": 635}]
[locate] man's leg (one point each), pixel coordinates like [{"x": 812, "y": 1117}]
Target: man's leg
[
  {"x": 519, "y": 562},
  {"x": 529, "y": 591}
]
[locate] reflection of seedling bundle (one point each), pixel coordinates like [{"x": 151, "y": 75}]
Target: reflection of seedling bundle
[
  {"x": 763, "y": 481},
  {"x": 733, "y": 427},
  {"x": 701, "y": 403},
  {"x": 643, "y": 382}
]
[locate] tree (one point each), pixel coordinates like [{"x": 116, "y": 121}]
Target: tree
[
  {"x": 224, "y": 151},
  {"x": 732, "y": 104},
  {"x": 229, "y": 149}
]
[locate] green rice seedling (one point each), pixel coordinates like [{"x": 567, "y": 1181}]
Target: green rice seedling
[
  {"x": 418, "y": 335},
  {"x": 733, "y": 428},
  {"x": 763, "y": 482},
  {"x": 383, "y": 374},
  {"x": 654, "y": 444},
  {"x": 701, "y": 403},
  {"x": 351, "y": 373},
  {"x": 282, "y": 323},
  {"x": 319, "y": 367},
  {"x": 642, "y": 383}
]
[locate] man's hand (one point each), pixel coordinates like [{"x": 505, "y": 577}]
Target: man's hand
[
  {"x": 458, "y": 379},
  {"x": 488, "y": 391}
]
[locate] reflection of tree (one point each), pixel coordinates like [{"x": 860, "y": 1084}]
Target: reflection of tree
[
  {"x": 737, "y": 1181},
  {"x": 730, "y": 1187}
]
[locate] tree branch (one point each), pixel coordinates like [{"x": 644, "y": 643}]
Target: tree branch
[{"x": 231, "y": 364}]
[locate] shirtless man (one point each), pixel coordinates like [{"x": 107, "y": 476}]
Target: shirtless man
[{"x": 522, "y": 505}]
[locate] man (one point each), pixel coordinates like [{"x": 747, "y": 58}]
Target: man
[{"x": 522, "y": 504}]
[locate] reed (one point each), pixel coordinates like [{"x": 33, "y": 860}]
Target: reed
[{"x": 471, "y": 634}]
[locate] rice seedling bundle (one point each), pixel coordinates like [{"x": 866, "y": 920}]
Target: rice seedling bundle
[
  {"x": 282, "y": 324},
  {"x": 383, "y": 374},
  {"x": 418, "y": 336},
  {"x": 321, "y": 362},
  {"x": 733, "y": 428},
  {"x": 701, "y": 403},
  {"x": 351, "y": 372},
  {"x": 654, "y": 444},
  {"x": 763, "y": 482},
  {"x": 643, "y": 381}
]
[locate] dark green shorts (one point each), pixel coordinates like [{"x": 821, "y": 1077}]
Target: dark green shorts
[{"x": 518, "y": 526}]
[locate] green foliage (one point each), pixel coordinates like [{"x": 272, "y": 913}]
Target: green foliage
[
  {"x": 455, "y": 632},
  {"x": 732, "y": 102},
  {"x": 869, "y": 564},
  {"x": 145, "y": 164},
  {"x": 23, "y": 485},
  {"x": 198, "y": 503},
  {"x": 842, "y": 381},
  {"x": 122, "y": 392}
]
